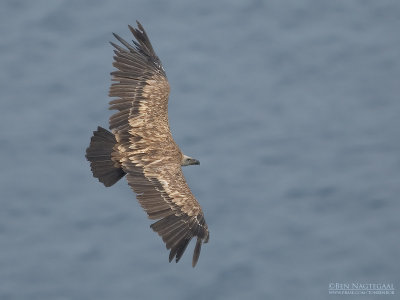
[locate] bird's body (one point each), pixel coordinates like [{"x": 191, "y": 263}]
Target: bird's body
[{"x": 141, "y": 146}]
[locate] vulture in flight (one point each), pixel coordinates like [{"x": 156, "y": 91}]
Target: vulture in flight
[{"x": 140, "y": 146}]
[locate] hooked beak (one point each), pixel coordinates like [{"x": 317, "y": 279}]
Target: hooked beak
[{"x": 195, "y": 162}]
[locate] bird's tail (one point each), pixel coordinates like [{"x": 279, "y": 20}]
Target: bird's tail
[{"x": 99, "y": 152}]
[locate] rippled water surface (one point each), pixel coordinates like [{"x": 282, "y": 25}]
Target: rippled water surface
[{"x": 292, "y": 107}]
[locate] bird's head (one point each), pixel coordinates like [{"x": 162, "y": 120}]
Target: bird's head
[{"x": 187, "y": 161}]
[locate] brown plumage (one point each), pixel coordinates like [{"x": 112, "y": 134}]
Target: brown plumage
[{"x": 141, "y": 146}]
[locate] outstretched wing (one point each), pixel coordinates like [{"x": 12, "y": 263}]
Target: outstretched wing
[{"x": 145, "y": 147}]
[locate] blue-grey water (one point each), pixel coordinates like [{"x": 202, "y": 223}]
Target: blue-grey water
[{"x": 292, "y": 107}]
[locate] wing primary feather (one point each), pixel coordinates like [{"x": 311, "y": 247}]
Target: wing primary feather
[
  {"x": 141, "y": 35},
  {"x": 172, "y": 254},
  {"x": 123, "y": 42},
  {"x": 172, "y": 238},
  {"x": 196, "y": 253},
  {"x": 118, "y": 47},
  {"x": 182, "y": 247}
]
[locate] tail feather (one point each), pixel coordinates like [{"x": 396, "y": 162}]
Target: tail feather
[{"x": 99, "y": 155}]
